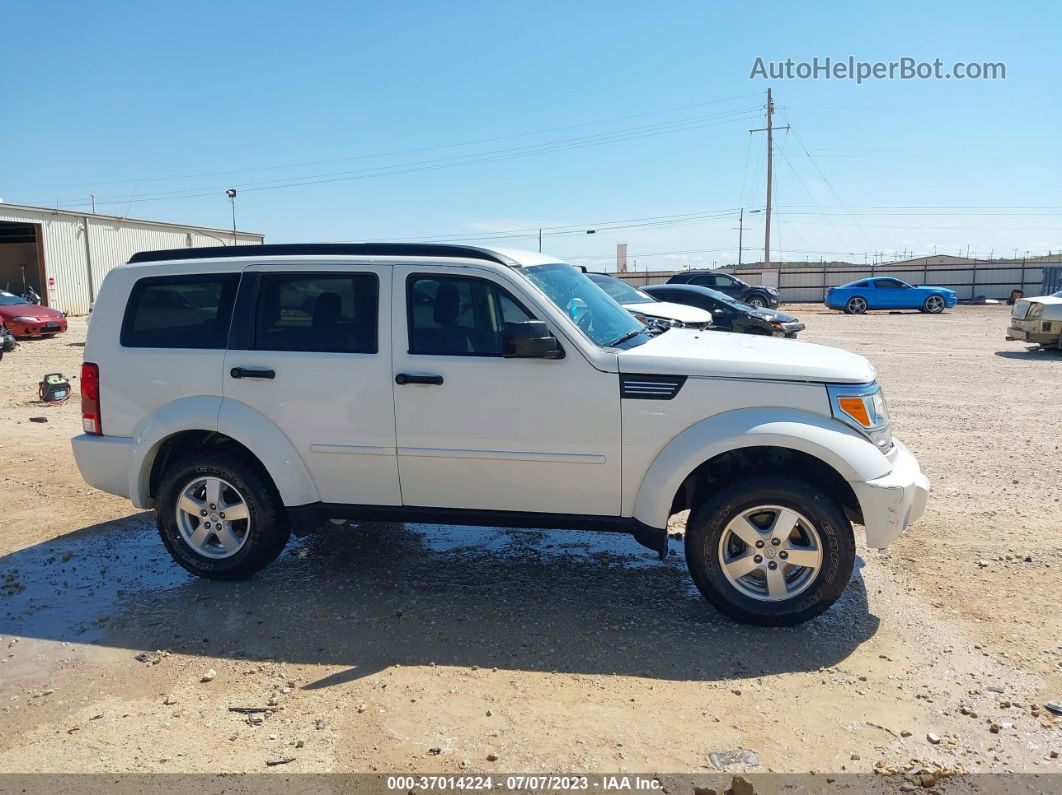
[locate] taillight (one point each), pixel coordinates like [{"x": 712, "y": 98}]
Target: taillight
[{"x": 90, "y": 399}]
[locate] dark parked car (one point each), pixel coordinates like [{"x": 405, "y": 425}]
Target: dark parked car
[
  {"x": 751, "y": 294},
  {"x": 728, "y": 314}
]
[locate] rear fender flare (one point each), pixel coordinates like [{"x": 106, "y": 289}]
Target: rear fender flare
[{"x": 236, "y": 420}]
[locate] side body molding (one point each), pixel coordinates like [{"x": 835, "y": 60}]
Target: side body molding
[{"x": 855, "y": 458}]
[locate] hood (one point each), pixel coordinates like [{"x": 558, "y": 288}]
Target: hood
[
  {"x": 717, "y": 353},
  {"x": 29, "y": 310},
  {"x": 666, "y": 309}
]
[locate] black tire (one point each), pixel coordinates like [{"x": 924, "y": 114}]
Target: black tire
[
  {"x": 856, "y": 305},
  {"x": 708, "y": 522},
  {"x": 268, "y": 530},
  {"x": 757, "y": 301}
]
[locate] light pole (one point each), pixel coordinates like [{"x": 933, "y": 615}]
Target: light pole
[
  {"x": 231, "y": 193},
  {"x": 741, "y": 232}
]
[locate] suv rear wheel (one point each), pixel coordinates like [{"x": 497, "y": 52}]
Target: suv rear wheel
[
  {"x": 219, "y": 516},
  {"x": 773, "y": 551}
]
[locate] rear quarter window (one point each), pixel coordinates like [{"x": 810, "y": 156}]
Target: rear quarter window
[{"x": 180, "y": 311}]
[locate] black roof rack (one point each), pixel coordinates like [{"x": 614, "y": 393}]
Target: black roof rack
[{"x": 327, "y": 249}]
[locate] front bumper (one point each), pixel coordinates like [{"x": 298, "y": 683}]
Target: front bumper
[
  {"x": 1035, "y": 337},
  {"x": 791, "y": 329},
  {"x": 38, "y": 328},
  {"x": 105, "y": 461},
  {"x": 891, "y": 503},
  {"x": 951, "y": 300}
]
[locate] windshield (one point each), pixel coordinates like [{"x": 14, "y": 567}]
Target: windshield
[
  {"x": 7, "y": 299},
  {"x": 620, "y": 290},
  {"x": 596, "y": 314}
]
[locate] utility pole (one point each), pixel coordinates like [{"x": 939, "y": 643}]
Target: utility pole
[
  {"x": 92, "y": 196},
  {"x": 741, "y": 233},
  {"x": 769, "y": 129},
  {"x": 539, "y": 241}
]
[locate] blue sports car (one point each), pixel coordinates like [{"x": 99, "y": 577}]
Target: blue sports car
[{"x": 857, "y": 297}]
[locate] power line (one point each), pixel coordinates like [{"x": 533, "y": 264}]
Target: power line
[
  {"x": 415, "y": 150},
  {"x": 580, "y": 142},
  {"x": 825, "y": 179}
]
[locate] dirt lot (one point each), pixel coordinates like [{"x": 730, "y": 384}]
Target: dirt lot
[{"x": 416, "y": 648}]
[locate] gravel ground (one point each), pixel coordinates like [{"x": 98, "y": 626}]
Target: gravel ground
[{"x": 419, "y": 648}]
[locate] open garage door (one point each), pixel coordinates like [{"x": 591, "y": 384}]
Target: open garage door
[{"x": 21, "y": 260}]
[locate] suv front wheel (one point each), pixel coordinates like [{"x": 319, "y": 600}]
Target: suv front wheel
[
  {"x": 773, "y": 551},
  {"x": 219, "y": 517}
]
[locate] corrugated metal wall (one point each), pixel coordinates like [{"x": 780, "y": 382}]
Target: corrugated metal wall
[
  {"x": 805, "y": 285},
  {"x": 111, "y": 241}
]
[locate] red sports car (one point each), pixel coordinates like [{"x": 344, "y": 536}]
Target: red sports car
[{"x": 29, "y": 320}]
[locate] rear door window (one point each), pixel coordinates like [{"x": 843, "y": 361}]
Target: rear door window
[
  {"x": 180, "y": 311},
  {"x": 317, "y": 312}
]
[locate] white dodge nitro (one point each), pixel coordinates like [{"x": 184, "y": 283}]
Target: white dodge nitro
[{"x": 247, "y": 392}]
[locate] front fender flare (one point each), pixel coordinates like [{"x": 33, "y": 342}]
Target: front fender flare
[{"x": 851, "y": 455}]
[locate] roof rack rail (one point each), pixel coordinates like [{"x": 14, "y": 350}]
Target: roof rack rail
[{"x": 327, "y": 249}]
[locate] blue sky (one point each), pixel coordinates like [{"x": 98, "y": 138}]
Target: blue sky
[{"x": 459, "y": 120}]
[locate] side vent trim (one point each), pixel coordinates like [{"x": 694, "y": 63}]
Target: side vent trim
[{"x": 650, "y": 387}]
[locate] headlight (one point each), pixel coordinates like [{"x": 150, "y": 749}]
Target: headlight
[
  {"x": 862, "y": 407},
  {"x": 657, "y": 322},
  {"x": 24, "y": 320},
  {"x": 1035, "y": 310}
]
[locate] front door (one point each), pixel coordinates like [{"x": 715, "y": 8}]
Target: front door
[
  {"x": 317, "y": 364},
  {"x": 476, "y": 430}
]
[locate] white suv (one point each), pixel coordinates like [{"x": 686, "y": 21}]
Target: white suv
[{"x": 248, "y": 392}]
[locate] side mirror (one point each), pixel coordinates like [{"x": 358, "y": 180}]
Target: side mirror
[{"x": 530, "y": 339}]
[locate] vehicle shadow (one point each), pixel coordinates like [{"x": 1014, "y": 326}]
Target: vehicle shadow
[
  {"x": 1028, "y": 353},
  {"x": 377, "y": 595}
]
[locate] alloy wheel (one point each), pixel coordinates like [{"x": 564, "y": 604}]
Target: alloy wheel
[
  {"x": 934, "y": 304},
  {"x": 770, "y": 553},
  {"x": 213, "y": 517},
  {"x": 857, "y": 305}
]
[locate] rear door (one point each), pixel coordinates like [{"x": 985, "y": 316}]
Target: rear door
[{"x": 311, "y": 351}]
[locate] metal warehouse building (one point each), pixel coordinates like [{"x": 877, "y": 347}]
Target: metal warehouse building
[{"x": 64, "y": 255}]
